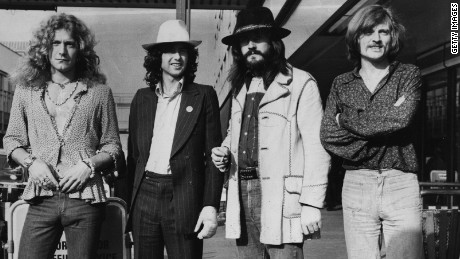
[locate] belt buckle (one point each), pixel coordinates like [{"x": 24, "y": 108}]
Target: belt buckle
[{"x": 248, "y": 173}]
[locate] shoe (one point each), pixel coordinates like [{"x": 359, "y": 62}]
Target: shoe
[{"x": 334, "y": 208}]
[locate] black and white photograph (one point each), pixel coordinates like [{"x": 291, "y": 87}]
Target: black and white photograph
[{"x": 229, "y": 129}]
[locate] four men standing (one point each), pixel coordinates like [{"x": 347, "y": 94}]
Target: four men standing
[{"x": 276, "y": 162}]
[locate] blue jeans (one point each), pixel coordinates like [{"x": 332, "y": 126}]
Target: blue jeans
[
  {"x": 389, "y": 199},
  {"x": 50, "y": 216},
  {"x": 154, "y": 224},
  {"x": 249, "y": 246}
]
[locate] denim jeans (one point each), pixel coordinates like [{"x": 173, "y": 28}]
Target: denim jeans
[
  {"x": 387, "y": 199},
  {"x": 249, "y": 246},
  {"x": 50, "y": 216},
  {"x": 154, "y": 225}
]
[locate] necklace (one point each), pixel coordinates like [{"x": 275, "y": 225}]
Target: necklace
[
  {"x": 66, "y": 99},
  {"x": 62, "y": 85}
]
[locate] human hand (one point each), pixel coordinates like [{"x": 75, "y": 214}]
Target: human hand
[
  {"x": 75, "y": 178},
  {"x": 310, "y": 219},
  {"x": 41, "y": 175},
  {"x": 208, "y": 217},
  {"x": 221, "y": 158}
]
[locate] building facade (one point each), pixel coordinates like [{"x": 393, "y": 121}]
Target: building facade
[{"x": 8, "y": 62}]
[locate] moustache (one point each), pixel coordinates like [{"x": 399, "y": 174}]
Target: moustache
[{"x": 252, "y": 52}]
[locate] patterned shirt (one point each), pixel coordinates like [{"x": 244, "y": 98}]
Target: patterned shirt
[
  {"x": 164, "y": 129},
  {"x": 376, "y": 129},
  {"x": 248, "y": 144},
  {"x": 91, "y": 127}
]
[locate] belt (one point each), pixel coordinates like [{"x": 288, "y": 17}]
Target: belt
[
  {"x": 248, "y": 173},
  {"x": 154, "y": 175}
]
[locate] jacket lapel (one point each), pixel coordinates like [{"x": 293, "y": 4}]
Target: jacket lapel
[
  {"x": 149, "y": 108},
  {"x": 190, "y": 108},
  {"x": 277, "y": 89}
]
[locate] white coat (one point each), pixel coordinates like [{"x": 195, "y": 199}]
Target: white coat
[{"x": 293, "y": 164}]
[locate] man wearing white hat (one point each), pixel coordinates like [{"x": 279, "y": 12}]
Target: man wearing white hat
[{"x": 173, "y": 125}]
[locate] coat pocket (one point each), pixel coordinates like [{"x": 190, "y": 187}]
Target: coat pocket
[
  {"x": 293, "y": 183},
  {"x": 270, "y": 119},
  {"x": 292, "y": 189}
]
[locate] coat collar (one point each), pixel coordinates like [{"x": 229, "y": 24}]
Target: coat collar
[{"x": 278, "y": 88}]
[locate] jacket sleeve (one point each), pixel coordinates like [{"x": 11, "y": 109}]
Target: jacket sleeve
[
  {"x": 133, "y": 152},
  {"x": 316, "y": 160},
  {"x": 110, "y": 140},
  {"x": 17, "y": 133},
  {"x": 379, "y": 120},
  {"x": 214, "y": 178},
  {"x": 336, "y": 139},
  {"x": 226, "y": 142}
]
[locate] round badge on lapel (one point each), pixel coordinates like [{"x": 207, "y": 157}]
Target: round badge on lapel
[{"x": 189, "y": 109}]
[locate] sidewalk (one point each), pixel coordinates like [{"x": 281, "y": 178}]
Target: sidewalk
[{"x": 330, "y": 246}]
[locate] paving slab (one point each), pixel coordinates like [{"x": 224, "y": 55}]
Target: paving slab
[{"x": 330, "y": 246}]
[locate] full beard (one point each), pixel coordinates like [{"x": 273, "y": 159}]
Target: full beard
[{"x": 257, "y": 67}]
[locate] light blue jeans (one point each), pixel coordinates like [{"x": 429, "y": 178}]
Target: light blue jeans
[
  {"x": 387, "y": 199},
  {"x": 249, "y": 246}
]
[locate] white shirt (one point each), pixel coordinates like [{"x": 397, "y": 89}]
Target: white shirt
[{"x": 163, "y": 129}]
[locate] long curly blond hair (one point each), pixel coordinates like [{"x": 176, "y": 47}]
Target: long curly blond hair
[{"x": 35, "y": 69}]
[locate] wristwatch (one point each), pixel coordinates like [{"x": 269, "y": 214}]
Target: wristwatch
[{"x": 29, "y": 160}]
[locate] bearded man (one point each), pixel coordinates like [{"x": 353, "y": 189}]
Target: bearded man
[{"x": 277, "y": 165}]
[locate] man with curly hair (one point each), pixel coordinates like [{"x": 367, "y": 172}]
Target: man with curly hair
[
  {"x": 63, "y": 129},
  {"x": 173, "y": 125}
]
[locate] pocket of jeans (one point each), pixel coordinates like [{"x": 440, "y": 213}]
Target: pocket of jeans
[
  {"x": 404, "y": 193},
  {"x": 352, "y": 195}
]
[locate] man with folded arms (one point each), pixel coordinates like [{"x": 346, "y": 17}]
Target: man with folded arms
[{"x": 369, "y": 121}]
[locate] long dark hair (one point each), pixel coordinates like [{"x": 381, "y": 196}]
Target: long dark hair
[
  {"x": 152, "y": 63},
  {"x": 275, "y": 64},
  {"x": 35, "y": 68}
]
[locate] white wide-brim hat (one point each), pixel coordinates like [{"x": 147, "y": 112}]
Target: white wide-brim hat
[{"x": 172, "y": 31}]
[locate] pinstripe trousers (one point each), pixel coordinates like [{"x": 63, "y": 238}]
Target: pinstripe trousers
[{"x": 154, "y": 223}]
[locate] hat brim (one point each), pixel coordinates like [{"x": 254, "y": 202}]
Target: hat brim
[
  {"x": 193, "y": 43},
  {"x": 278, "y": 32}
]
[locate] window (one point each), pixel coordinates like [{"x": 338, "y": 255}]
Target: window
[{"x": 441, "y": 140}]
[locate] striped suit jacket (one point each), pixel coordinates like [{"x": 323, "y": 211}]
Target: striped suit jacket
[{"x": 196, "y": 182}]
